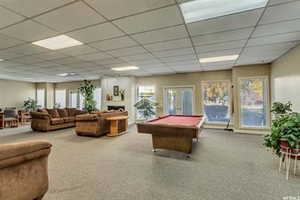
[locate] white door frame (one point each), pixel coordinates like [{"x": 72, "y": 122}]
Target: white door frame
[{"x": 178, "y": 86}]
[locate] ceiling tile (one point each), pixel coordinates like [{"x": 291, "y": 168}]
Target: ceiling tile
[
  {"x": 96, "y": 33},
  {"x": 94, "y": 56},
  {"x": 179, "y": 58},
  {"x": 26, "y": 49},
  {"x": 172, "y": 44},
  {"x": 127, "y": 51},
  {"x": 215, "y": 68},
  {"x": 227, "y": 36},
  {"x": 27, "y": 60},
  {"x": 146, "y": 56},
  {"x": 277, "y": 28},
  {"x": 78, "y": 50},
  {"x": 274, "y": 2},
  {"x": 6, "y": 42},
  {"x": 108, "y": 61},
  {"x": 119, "y": 8},
  {"x": 116, "y": 43},
  {"x": 220, "y": 46},
  {"x": 229, "y": 22},
  {"x": 286, "y": 37},
  {"x": 169, "y": 16},
  {"x": 67, "y": 60},
  {"x": 218, "y": 64},
  {"x": 70, "y": 17},
  {"x": 8, "y": 55},
  {"x": 192, "y": 68},
  {"x": 221, "y": 53},
  {"x": 269, "y": 49},
  {"x": 7, "y": 17},
  {"x": 30, "y": 8},
  {"x": 28, "y": 31},
  {"x": 52, "y": 55},
  {"x": 184, "y": 62},
  {"x": 281, "y": 12},
  {"x": 171, "y": 33},
  {"x": 160, "y": 70},
  {"x": 174, "y": 52}
]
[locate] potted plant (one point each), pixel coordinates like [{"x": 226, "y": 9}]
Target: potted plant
[
  {"x": 30, "y": 105},
  {"x": 146, "y": 107},
  {"x": 87, "y": 90},
  {"x": 285, "y": 128}
]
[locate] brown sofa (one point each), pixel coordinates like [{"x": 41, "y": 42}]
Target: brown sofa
[
  {"x": 95, "y": 124},
  {"x": 24, "y": 170},
  {"x": 53, "y": 119}
]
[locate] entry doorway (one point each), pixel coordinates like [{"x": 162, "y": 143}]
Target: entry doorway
[{"x": 179, "y": 100}]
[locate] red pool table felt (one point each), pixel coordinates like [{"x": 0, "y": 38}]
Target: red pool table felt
[{"x": 183, "y": 120}]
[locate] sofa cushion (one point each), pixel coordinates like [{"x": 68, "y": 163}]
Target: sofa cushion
[
  {"x": 53, "y": 113},
  {"x": 69, "y": 119},
  {"x": 87, "y": 117},
  {"x": 43, "y": 111},
  {"x": 62, "y": 112},
  {"x": 55, "y": 121},
  {"x": 71, "y": 112}
]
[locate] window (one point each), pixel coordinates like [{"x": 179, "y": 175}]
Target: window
[
  {"x": 40, "y": 97},
  {"x": 60, "y": 98},
  {"x": 73, "y": 99},
  {"x": 145, "y": 92},
  {"x": 97, "y": 99},
  {"x": 253, "y": 102},
  {"x": 216, "y": 101}
]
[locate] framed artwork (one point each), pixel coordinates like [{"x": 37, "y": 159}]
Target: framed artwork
[{"x": 116, "y": 90}]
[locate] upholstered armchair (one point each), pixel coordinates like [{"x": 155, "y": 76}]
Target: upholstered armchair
[{"x": 24, "y": 170}]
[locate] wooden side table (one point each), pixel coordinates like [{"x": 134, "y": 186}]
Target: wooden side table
[
  {"x": 1, "y": 120},
  {"x": 118, "y": 125}
]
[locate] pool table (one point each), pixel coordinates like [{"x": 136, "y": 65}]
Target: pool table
[{"x": 173, "y": 132}]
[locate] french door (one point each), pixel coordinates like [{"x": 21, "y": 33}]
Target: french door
[{"x": 178, "y": 100}]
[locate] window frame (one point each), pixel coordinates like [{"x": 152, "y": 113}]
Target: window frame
[
  {"x": 137, "y": 98},
  {"x": 45, "y": 103},
  {"x": 267, "y": 103},
  {"x": 230, "y": 99},
  {"x": 65, "y": 96}
]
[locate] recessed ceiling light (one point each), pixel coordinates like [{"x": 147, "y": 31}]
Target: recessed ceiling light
[
  {"x": 67, "y": 74},
  {"x": 1, "y": 60},
  {"x": 58, "y": 42},
  {"x": 125, "y": 68},
  {"x": 197, "y": 10},
  {"x": 218, "y": 59}
]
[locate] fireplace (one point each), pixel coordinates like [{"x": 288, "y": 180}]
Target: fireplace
[{"x": 115, "y": 107}]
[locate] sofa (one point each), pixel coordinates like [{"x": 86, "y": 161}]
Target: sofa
[
  {"x": 95, "y": 124},
  {"x": 24, "y": 170},
  {"x": 54, "y": 119}
]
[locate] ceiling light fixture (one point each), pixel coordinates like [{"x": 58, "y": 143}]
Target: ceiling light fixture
[
  {"x": 58, "y": 42},
  {"x": 218, "y": 59},
  {"x": 1, "y": 60},
  {"x": 197, "y": 10},
  {"x": 125, "y": 68},
  {"x": 67, "y": 74}
]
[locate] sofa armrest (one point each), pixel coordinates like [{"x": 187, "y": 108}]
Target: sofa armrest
[
  {"x": 87, "y": 117},
  {"x": 17, "y": 153},
  {"x": 39, "y": 115}
]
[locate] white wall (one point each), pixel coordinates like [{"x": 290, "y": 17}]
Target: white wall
[
  {"x": 285, "y": 78},
  {"x": 14, "y": 93},
  {"x": 127, "y": 83}
]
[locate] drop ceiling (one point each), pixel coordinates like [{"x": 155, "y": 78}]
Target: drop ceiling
[{"x": 149, "y": 34}]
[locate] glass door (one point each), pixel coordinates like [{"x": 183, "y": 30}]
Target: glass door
[{"x": 178, "y": 100}]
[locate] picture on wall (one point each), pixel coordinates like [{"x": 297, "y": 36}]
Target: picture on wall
[{"x": 116, "y": 90}]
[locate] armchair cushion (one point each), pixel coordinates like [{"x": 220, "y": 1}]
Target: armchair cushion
[
  {"x": 69, "y": 119},
  {"x": 87, "y": 117},
  {"x": 53, "y": 113},
  {"x": 55, "y": 121},
  {"x": 62, "y": 112}
]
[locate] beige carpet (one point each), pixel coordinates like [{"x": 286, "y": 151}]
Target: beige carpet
[{"x": 223, "y": 166}]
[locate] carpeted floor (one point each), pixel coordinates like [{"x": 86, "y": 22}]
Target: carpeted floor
[{"x": 223, "y": 166}]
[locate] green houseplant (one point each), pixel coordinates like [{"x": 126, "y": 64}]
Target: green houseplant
[
  {"x": 285, "y": 127},
  {"x": 30, "y": 104},
  {"x": 146, "y": 107},
  {"x": 87, "y": 90}
]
